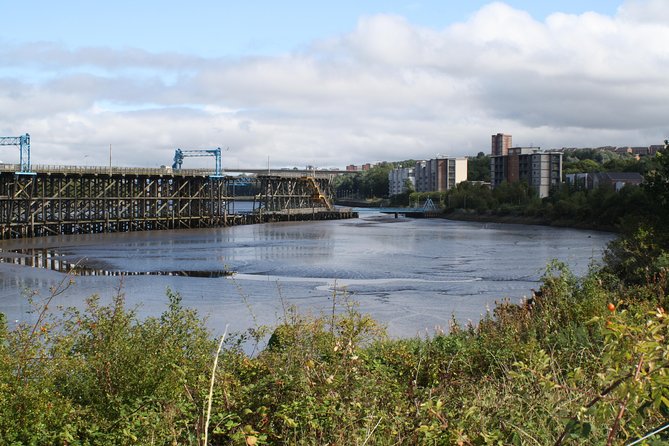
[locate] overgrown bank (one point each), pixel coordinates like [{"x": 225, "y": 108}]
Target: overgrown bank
[
  {"x": 599, "y": 209},
  {"x": 463, "y": 215},
  {"x": 585, "y": 360}
]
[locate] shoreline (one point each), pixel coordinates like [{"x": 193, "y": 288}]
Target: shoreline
[
  {"x": 524, "y": 220},
  {"x": 461, "y": 215}
]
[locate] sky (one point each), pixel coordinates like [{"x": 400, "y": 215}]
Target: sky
[{"x": 297, "y": 83}]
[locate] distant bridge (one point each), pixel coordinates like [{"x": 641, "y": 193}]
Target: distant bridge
[{"x": 427, "y": 210}]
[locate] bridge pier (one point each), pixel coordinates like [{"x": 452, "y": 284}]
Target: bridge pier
[{"x": 63, "y": 202}]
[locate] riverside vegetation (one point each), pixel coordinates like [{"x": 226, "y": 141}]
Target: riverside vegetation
[{"x": 585, "y": 361}]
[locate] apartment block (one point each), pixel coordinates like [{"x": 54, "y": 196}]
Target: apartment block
[
  {"x": 398, "y": 179},
  {"x": 541, "y": 170},
  {"x": 613, "y": 180},
  {"x": 501, "y": 144},
  {"x": 440, "y": 174}
]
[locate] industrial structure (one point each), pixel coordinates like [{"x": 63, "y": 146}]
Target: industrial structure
[
  {"x": 179, "y": 156},
  {"x": 23, "y": 143},
  {"x": 58, "y": 200},
  {"x": 79, "y": 201}
]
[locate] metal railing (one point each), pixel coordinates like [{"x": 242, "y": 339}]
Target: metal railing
[{"x": 105, "y": 170}]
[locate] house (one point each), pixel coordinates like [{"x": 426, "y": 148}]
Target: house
[{"x": 616, "y": 180}]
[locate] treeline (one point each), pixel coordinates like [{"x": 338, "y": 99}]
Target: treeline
[
  {"x": 601, "y": 208},
  {"x": 372, "y": 183},
  {"x": 594, "y": 160}
]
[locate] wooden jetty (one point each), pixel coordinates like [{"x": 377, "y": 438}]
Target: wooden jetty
[{"x": 55, "y": 200}]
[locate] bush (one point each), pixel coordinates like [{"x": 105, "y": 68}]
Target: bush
[
  {"x": 102, "y": 376},
  {"x": 583, "y": 360}
]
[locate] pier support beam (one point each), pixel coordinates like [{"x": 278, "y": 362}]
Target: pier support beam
[{"x": 55, "y": 203}]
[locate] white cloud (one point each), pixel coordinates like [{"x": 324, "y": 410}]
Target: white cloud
[
  {"x": 645, "y": 11},
  {"x": 388, "y": 90}
]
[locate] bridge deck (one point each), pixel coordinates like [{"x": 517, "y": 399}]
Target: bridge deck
[
  {"x": 55, "y": 200},
  {"x": 116, "y": 170}
]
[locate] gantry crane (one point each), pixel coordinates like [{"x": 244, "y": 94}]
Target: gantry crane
[
  {"x": 179, "y": 156},
  {"x": 23, "y": 142}
]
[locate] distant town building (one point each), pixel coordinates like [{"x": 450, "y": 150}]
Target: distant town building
[
  {"x": 652, "y": 150},
  {"x": 640, "y": 151},
  {"x": 617, "y": 180},
  {"x": 614, "y": 180},
  {"x": 399, "y": 179},
  {"x": 581, "y": 180},
  {"x": 440, "y": 174},
  {"x": 354, "y": 168},
  {"x": 501, "y": 144},
  {"x": 541, "y": 170}
]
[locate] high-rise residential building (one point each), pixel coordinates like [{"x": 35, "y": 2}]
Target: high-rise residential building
[
  {"x": 501, "y": 144},
  {"x": 399, "y": 179},
  {"x": 541, "y": 170},
  {"x": 440, "y": 174}
]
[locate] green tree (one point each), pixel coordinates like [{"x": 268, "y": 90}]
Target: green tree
[
  {"x": 642, "y": 250},
  {"x": 478, "y": 169},
  {"x": 515, "y": 194},
  {"x": 375, "y": 181},
  {"x": 657, "y": 186},
  {"x": 586, "y": 165}
]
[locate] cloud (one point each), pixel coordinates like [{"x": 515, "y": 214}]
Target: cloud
[
  {"x": 386, "y": 90},
  {"x": 645, "y": 11}
]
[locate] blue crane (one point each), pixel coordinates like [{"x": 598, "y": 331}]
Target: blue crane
[
  {"x": 23, "y": 142},
  {"x": 179, "y": 156}
]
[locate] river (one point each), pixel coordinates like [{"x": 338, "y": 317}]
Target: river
[{"x": 412, "y": 275}]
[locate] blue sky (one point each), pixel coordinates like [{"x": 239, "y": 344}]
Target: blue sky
[
  {"x": 224, "y": 28},
  {"x": 328, "y": 84}
]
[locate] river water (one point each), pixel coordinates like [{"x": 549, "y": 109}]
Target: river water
[{"x": 412, "y": 275}]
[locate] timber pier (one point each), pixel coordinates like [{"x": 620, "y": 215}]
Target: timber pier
[{"x": 57, "y": 200}]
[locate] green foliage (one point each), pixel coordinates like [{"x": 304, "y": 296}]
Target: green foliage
[
  {"x": 372, "y": 183},
  {"x": 580, "y": 166},
  {"x": 635, "y": 257},
  {"x": 478, "y": 168},
  {"x": 642, "y": 251},
  {"x": 419, "y": 198},
  {"x": 593, "y": 160},
  {"x": 100, "y": 376},
  {"x": 585, "y": 361},
  {"x": 657, "y": 186}
]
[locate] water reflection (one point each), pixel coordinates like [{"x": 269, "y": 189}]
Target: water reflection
[
  {"x": 52, "y": 260},
  {"x": 36, "y": 258},
  {"x": 408, "y": 274}
]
